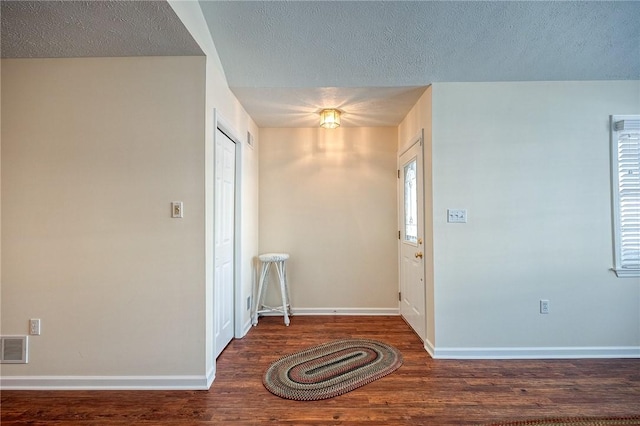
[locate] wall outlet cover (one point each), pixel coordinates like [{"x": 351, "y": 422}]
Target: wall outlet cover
[
  {"x": 34, "y": 326},
  {"x": 544, "y": 306}
]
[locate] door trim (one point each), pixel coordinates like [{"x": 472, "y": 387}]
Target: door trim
[{"x": 417, "y": 138}]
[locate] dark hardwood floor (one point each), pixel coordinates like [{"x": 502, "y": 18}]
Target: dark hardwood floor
[{"x": 422, "y": 392}]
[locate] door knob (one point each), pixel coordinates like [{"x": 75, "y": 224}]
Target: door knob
[{"x": 419, "y": 255}]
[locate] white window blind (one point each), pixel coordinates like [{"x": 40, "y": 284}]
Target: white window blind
[{"x": 625, "y": 157}]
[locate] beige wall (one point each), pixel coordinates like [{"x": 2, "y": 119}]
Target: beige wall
[
  {"x": 0, "y": 196},
  {"x": 218, "y": 96},
  {"x": 530, "y": 162},
  {"x": 158, "y": 304},
  {"x": 328, "y": 197},
  {"x": 94, "y": 151}
]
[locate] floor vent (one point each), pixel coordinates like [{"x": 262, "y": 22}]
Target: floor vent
[{"x": 14, "y": 349}]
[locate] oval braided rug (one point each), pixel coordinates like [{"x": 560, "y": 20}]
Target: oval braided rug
[{"x": 331, "y": 369}]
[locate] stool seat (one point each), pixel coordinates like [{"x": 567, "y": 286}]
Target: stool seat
[
  {"x": 278, "y": 260},
  {"x": 273, "y": 257}
]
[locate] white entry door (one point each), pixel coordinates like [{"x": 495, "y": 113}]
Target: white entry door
[
  {"x": 224, "y": 236},
  {"x": 411, "y": 217}
]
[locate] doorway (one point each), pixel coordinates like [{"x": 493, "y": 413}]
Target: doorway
[
  {"x": 224, "y": 239},
  {"x": 411, "y": 223}
]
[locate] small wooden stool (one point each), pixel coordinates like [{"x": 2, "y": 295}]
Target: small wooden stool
[{"x": 278, "y": 260}]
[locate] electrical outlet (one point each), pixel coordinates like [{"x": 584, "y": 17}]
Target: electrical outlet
[
  {"x": 34, "y": 327},
  {"x": 544, "y": 306},
  {"x": 248, "y": 302}
]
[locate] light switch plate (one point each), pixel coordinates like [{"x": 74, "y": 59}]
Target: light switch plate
[
  {"x": 177, "y": 210},
  {"x": 457, "y": 215}
]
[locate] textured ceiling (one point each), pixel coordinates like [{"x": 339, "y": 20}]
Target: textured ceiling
[
  {"x": 66, "y": 29},
  {"x": 283, "y": 57},
  {"x": 351, "y": 44},
  {"x": 287, "y": 60}
]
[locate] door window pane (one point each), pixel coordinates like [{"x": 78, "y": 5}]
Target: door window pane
[{"x": 410, "y": 203}]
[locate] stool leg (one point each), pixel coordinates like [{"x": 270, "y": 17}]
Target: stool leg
[
  {"x": 283, "y": 292},
  {"x": 258, "y": 298},
  {"x": 286, "y": 286}
]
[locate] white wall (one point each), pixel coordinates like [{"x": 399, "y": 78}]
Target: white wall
[
  {"x": 94, "y": 151},
  {"x": 328, "y": 197},
  {"x": 530, "y": 162}
]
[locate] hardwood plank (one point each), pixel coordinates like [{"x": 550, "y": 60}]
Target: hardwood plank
[{"x": 422, "y": 391}]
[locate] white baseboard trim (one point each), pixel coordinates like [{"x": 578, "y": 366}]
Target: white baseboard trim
[
  {"x": 346, "y": 311},
  {"x": 534, "y": 353},
  {"x": 107, "y": 382},
  {"x": 246, "y": 327},
  {"x": 428, "y": 346},
  {"x": 211, "y": 376}
]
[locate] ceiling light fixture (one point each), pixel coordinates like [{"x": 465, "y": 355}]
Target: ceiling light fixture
[{"x": 329, "y": 118}]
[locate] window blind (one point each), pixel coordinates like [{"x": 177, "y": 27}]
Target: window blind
[{"x": 626, "y": 170}]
